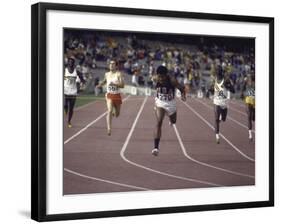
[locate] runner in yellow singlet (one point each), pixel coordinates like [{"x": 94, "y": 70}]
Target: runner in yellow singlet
[{"x": 248, "y": 93}]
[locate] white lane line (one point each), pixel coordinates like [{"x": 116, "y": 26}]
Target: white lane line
[
  {"x": 122, "y": 154},
  {"x": 106, "y": 181},
  {"x": 88, "y": 125},
  {"x": 229, "y": 142},
  {"x": 85, "y": 128},
  {"x": 228, "y": 117},
  {"x": 238, "y": 111},
  {"x": 206, "y": 164},
  {"x": 90, "y": 103},
  {"x": 237, "y": 104},
  {"x": 86, "y": 105}
]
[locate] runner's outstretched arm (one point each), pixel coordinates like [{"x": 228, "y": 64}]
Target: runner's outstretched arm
[{"x": 179, "y": 87}]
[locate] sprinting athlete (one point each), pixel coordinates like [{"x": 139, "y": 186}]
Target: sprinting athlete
[
  {"x": 221, "y": 85},
  {"x": 70, "y": 88},
  {"x": 113, "y": 80},
  {"x": 165, "y": 102},
  {"x": 248, "y": 93}
]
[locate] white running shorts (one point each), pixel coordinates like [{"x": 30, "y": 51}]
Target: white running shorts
[{"x": 168, "y": 106}]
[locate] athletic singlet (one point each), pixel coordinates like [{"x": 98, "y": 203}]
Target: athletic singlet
[
  {"x": 70, "y": 87},
  {"x": 220, "y": 93},
  {"x": 112, "y": 78},
  {"x": 165, "y": 91},
  {"x": 249, "y": 91}
]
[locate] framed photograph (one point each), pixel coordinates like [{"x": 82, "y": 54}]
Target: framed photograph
[{"x": 140, "y": 111}]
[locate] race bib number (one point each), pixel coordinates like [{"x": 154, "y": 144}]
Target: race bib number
[
  {"x": 165, "y": 97},
  {"x": 221, "y": 94},
  {"x": 70, "y": 81},
  {"x": 112, "y": 89}
]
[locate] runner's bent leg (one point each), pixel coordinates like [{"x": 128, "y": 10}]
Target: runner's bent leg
[
  {"x": 71, "y": 108},
  {"x": 223, "y": 114},
  {"x": 173, "y": 118},
  {"x": 159, "y": 113},
  {"x": 218, "y": 113},
  {"x": 117, "y": 109},
  {"x": 217, "y": 118},
  {"x": 250, "y": 116},
  {"x": 109, "y": 105},
  {"x": 66, "y": 102}
]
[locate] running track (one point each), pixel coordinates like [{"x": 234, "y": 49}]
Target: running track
[{"x": 188, "y": 158}]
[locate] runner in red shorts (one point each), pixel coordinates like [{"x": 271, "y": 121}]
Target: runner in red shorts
[{"x": 114, "y": 81}]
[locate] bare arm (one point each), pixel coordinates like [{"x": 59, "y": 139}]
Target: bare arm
[
  {"x": 181, "y": 88},
  {"x": 80, "y": 75},
  {"x": 229, "y": 85},
  {"x": 121, "y": 83},
  {"x": 153, "y": 78},
  {"x": 103, "y": 82}
]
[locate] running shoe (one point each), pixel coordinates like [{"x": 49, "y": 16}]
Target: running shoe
[
  {"x": 113, "y": 112},
  {"x": 155, "y": 152},
  {"x": 108, "y": 132},
  {"x": 69, "y": 125},
  {"x": 250, "y": 135},
  {"x": 217, "y": 139}
]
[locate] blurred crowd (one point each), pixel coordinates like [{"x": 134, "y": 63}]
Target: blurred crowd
[{"x": 193, "y": 64}]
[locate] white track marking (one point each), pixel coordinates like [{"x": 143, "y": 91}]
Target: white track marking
[
  {"x": 202, "y": 163},
  {"x": 106, "y": 181},
  {"x": 90, "y": 103},
  {"x": 228, "y": 117},
  {"x": 238, "y": 111},
  {"x": 229, "y": 142},
  {"x": 86, "y": 105},
  {"x": 122, "y": 154},
  {"x": 237, "y": 104},
  {"x": 88, "y": 125},
  {"x": 237, "y": 122},
  {"x": 85, "y": 128}
]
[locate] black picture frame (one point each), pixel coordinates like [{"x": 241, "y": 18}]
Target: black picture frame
[{"x": 39, "y": 109}]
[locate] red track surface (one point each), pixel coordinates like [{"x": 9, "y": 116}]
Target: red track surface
[{"x": 95, "y": 162}]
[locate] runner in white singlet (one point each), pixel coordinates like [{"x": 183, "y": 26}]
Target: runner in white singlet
[
  {"x": 70, "y": 88},
  {"x": 113, "y": 80},
  {"x": 164, "y": 102},
  {"x": 221, "y": 85}
]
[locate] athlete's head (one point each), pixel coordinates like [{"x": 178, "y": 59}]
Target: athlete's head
[
  {"x": 161, "y": 72},
  {"x": 250, "y": 79},
  {"x": 112, "y": 65},
  {"x": 71, "y": 61}
]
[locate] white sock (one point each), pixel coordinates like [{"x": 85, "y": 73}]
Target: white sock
[
  {"x": 250, "y": 133},
  {"x": 217, "y": 136}
]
